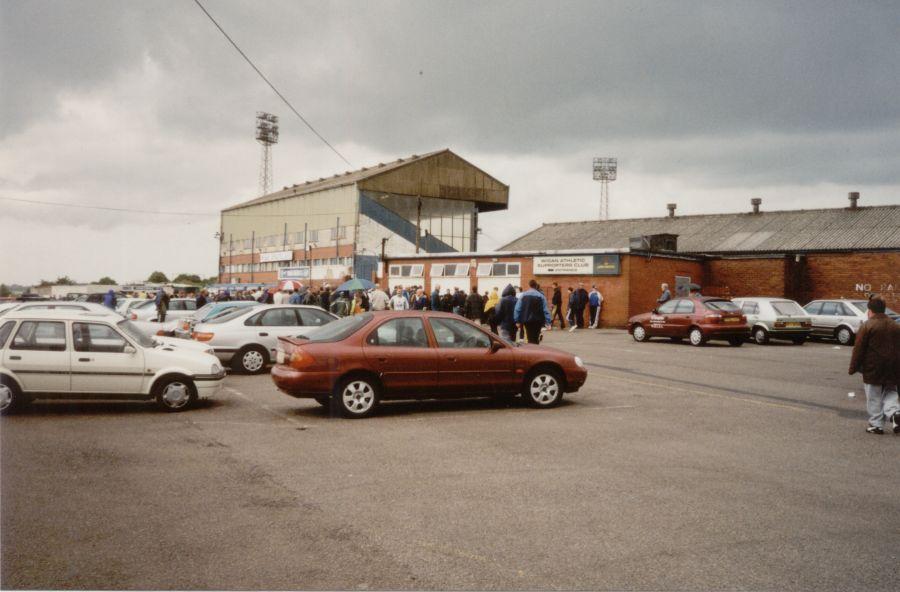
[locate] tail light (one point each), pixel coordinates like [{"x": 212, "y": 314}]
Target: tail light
[
  {"x": 713, "y": 318},
  {"x": 297, "y": 358},
  {"x": 805, "y": 324},
  {"x": 203, "y": 336},
  {"x": 779, "y": 324},
  {"x": 133, "y": 316},
  {"x": 160, "y": 333}
]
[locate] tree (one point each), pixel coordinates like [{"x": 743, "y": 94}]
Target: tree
[
  {"x": 65, "y": 281},
  {"x": 45, "y": 283},
  {"x": 158, "y": 277},
  {"x": 210, "y": 280},
  {"x": 106, "y": 281},
  {"x": 5, "y": 291},
  {"x": 185, "y": 278}
]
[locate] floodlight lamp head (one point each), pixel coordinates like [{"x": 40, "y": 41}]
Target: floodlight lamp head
[{"x": 605, "y": 169}]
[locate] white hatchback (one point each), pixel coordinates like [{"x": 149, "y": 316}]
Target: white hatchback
[
  {"x": 83, "y": 355},
  {"x": 247, "y": 339}
]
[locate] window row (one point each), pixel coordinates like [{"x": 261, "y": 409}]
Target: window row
[
  {"x": 291, "y": 239},
  {"x": 246, "y": 267}
]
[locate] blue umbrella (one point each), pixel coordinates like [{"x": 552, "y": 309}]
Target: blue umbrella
[{"x": 355, "y": 284}]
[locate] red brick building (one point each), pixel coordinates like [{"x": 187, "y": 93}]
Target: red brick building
[{"x": 798, "y": 254}]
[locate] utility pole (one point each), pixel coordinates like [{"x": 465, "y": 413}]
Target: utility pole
[
  {"x": 418, "y": 221},
  {"x": 252, "y": 253}
]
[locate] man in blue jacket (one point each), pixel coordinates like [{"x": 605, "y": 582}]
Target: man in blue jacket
[
  {"x": 505, "y": 313},
  {"x": 532, "y": 312}
]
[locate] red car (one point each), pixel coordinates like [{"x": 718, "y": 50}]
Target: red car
[
  {"x": 364, "y": 359},
  {"x": 697, "y": 318}
]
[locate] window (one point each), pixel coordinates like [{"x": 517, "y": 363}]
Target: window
[
  {"x": 494, "y": 269},
  {"x": 339, "y": 329},
  {"x": 722, "y": 305},
  {"x": 339, "y": 233},
  {"x": 845, "y": 310},
  {"x": 278, "y": 317},
  {"x": 407, "y": 270},
  {"x": 40, "y": 336},
  {"x": 456, "y": 269},
  {"x": 684, "y": 307},
  {"x": 299, "y": 238},
  {"x": 668, "y": 307},
  {"x": 5, "y": 330},
  {"x": 830, "y": 309},
  {"x": 310, "y": 317},
  {"x": 484, "y": 269},
  {"x": 408, "y": 332},
  {"x": 93, "y": 337},
  {"x": 454, "y": 334},
  {"x": 313, "y": 236},
  {"x": 750, "y": 308},
  {"x": 787, "y": 307},
  {"x": 437, "y": 269},
  {"x": 813, "y": 308}
]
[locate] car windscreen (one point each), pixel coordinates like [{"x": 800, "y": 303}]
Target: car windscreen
[
  {"x": 788, "y": 307},
  {"x": 340, "y": 329},
  {"x": 130, "y": 329},
  {"x": 229, "y": 314},
  {"x": 723, "y": 305}
]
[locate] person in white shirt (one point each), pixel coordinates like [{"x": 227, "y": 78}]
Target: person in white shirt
[
  {"x": 378, "y": 300},
  {"x": 398, "y": 302},
  {"x": 280, "y": 297}
]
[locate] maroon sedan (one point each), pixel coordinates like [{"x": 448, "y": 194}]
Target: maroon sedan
[
  {"x": 697, "y": 318},
  {"x": 364, "y": 359}
]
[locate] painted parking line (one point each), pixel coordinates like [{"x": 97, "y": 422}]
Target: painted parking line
[{"x": 266, "y": 408}]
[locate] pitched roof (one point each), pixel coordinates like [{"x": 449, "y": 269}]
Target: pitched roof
[
  {"x": 352, "y": 177},
  {"x": 874, "y": 227}
]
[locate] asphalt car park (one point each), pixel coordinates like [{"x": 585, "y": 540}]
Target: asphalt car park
[{"x": 674, "y": 467}]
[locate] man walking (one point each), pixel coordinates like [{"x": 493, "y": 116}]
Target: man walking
[
  {"x": 436, "y": 297},
  {"x": 532, "y": 313},
  {"x": 378, "y": 299},
  {"x": 556, "y": 311},
  {"x": 504, "y": 313},
  {"x": 162, "y": 306},
  {"x": 579, "y": 302},
  {"x": 595, "y": 302},
  {"x": 398, "y": 301},
  {"x": 876, "y": 354}
]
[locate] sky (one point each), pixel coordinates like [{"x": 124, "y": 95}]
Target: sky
[{"x": 145, "y": 106}]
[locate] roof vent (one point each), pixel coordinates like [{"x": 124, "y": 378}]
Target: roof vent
[
  {"x": 671, "y": 209},
  {"x": 346, "y": 172},
  {"x": 755, "y": 202},
  {"x": 285, "y": 188},
  {"x": 399, "y": 160},
  {"x": 364, "y": 169},
  {"x": 414, "y": 156},
  {"x": 307, "y": 182},
  {"x": 381, "y": 164},
  {"x": 321, "y": 178},
  {"x": 853, "y": 196}
]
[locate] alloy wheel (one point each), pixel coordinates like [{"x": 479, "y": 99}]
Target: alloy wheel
[
  {"x": 844, "y": 336},
  {"x": 358, "y": 397},
  {"x": 6, "y": 397},
  {"x": 544, "y": 389},
  {"x": 696, "y": 337},
  {"x": 640, "y": 334},
  {"x": 176, "y": 395},
  {"x": 252, "y": 361}
]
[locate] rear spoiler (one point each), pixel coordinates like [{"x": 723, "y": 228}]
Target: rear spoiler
[{"x": 298, "y": 340}]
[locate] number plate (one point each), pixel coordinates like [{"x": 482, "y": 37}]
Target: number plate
[
  {"x": 732, "y": 319},
  {"x": 792, "y": 325}
]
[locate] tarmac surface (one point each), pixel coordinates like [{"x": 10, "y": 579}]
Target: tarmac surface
[{"x": 674, "y": 468}]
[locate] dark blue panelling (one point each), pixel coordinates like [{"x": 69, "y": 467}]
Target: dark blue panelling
[
  {"x": 400, "y": 225},
  {"x": 365, "y": 266}
]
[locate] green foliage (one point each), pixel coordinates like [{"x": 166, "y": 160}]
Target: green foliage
[
  {"x": 5, "y": 291},
  {"x": 158, "y": 277},
  {"x": 106, "y": 281},
  {"x": 186, "y": 278},
  {"x": 64, "y": 281}
]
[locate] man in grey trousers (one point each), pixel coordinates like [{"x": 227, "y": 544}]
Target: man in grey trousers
[{"x": 876, "y": 354}]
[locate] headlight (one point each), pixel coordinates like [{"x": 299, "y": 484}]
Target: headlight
[
  {"x": 579, "y": 362},
  {"x": 215, "y": 369}
]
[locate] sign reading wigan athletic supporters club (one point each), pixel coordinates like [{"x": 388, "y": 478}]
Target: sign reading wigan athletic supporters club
[{"x": 577, "y": 265}]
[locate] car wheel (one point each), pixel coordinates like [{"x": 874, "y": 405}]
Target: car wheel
[
  {"x": 844, "y": 336},
  {"x": 175, "y": 394},
  {"x": 252, "y": 359},
  {"x": 543, "y": 389},
  {"x": 358, "y": 396},
  {"x": 639, "y": 333},
  {"x": 11, "y": 398},
  {"x": 799, "y": 340},
  {"x": 760, "y": 336},
  {"x": 736, "y": 341},
  {"x": 697, "y": 337}
]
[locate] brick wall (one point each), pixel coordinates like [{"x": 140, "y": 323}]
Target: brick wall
[
  {"x": 851, "y": 275},
  {"x": 646, "y": 273},
  {"x": 748, "y": 277},
  {"x": 614, "y": 289}
]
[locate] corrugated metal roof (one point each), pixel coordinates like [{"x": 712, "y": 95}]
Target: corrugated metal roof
[{"x": 874, "y": 227}]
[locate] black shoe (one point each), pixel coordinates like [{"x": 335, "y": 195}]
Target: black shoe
[
  {"x": 874, "y": 430},
  {"x": 895, "y": 421}
]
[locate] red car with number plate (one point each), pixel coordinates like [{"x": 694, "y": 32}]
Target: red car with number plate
[{"x": 696, "y": 318}]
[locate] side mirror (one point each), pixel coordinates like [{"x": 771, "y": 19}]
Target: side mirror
[
  {"x": 496, "y": 346},
  {"x": 655, "y": 311},
  {"x": 129, "y": 350}
]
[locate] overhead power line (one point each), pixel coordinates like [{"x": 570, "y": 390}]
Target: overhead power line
[{"x": 272, "y": 86}]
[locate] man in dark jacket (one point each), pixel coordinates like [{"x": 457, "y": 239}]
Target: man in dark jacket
[
  {"x": 532, "y": 312},
  {"x": 505, "y": 313},
  {"x": 876, "y": 354},
  {"x": 579, "y": 302},
  {"x": 556, "y": 311},
  {"x": 201, "y": 299},
  {"x": 436, "y": 297},
  {"x": 474, "y": 305}
]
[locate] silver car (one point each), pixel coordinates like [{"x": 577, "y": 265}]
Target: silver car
[
  {"x": 775, "y": 318},
  {"x": 178, "y": 309},
  {"x": 247, "y": 339},
  {"x": 60, "y": 305},
  {"x": 184, "y": 327},
  {"x": 840, "y": 318}
]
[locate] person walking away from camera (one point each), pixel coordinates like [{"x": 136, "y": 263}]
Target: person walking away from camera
[
  {"x": 490, "y": 305},
  {"x": 202, "y": 299},
  {"x": 296, "y": 297},
  {"x": 505, "y": 313},
  {"x": 581, "y": 301},
  {"x": 398, "y": 302},
  {"x": 595, "y": 302},
  {"x": 876, "y": 354},
  {"x": 665, "y": 296},
  {"x": 570, "y": 312},
  {"x": 109, "y": 299},
  {"x": 162, "y": 306},
  {"x": 556, "y": 307},
  {"x": 446, "y": 301},
  {"x": 436, "y": 297},
  {"x": 474, "y": 305},
  {"x": 378, "y": 300},
  {"x": 532, "y": 312}
]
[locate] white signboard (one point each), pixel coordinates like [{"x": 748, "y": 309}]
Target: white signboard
[
  {"x": 564, "y": 265},
  {"x": 276, "y": 256},
  {"x": 293, "y": 273}
]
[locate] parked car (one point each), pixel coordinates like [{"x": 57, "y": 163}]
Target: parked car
[
  {"x": 67, "y": 354},
  {"x": 184, "y": 327},
  {"x": 698, "y": 318},
  {"x": 59, "y": 305},
  {"x": 246, "y": 337},
  {"x": 124, "y": 305},
  {"x": 839, "y": 318},
  {"x": 775, "y": 318},
  {"x": 364, "y": 359},
  {"x": 179, "y": 308}
]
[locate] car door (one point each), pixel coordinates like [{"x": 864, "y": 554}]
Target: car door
[
  {"x": 467, "y": 362},
  {"x": 814, "y": 310},
  {"x": 38, "y": 355},
  {"x": 659, "y": 320},
  {"x": 847, "y": 316},
  {"x": 399, "y": 350},
  {"x": 678, "y": 323},
  {"x": 750, "y": 309},
  {"x": 104, "y": 361},
  {"x": 828, "y": 317},
  {"x": 273, "y": 323}
]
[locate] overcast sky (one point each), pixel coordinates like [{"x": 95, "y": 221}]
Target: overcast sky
[{"x": 145, "y": 105}]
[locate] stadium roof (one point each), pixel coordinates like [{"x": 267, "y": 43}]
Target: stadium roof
[{"x": 835, "y": 229}]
